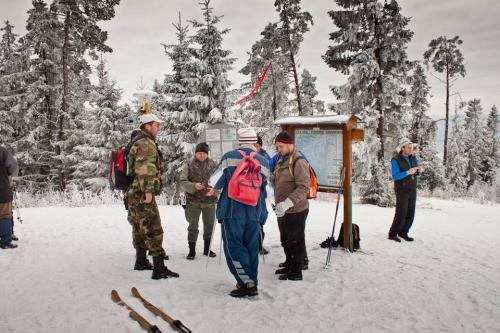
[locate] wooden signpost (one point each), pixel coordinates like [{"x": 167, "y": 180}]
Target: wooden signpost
[{"x": 326, "y": 141}]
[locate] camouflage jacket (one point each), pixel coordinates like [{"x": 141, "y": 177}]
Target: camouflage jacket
[{"x": 145, "y": 165}]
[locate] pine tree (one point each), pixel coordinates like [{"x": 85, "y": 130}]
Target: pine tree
[
  {"x": 81, "y": 36},
  {"x": 181, "y": 107},
  {"x": 310, "y": 105},
  {"x": 458, "y": 160},
  {"x": 294, "y": 23},
  {"x": 272, "y": 100},
  {"x": 445, "y": 57},
  {"x": 473, "y": 142},
  {"x": 423, "y": 131},
  {"x": 11, "y": 78},
  {"x": 212, "y": 62},
  {"x": 106, "y": 128},
  {"x": 370, "y": 47},
  {"x": 40, "y": 48},
  {"x": 491, "y": 148}
]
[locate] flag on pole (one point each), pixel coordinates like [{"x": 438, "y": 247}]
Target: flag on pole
[{"x": 255, "y": 89}]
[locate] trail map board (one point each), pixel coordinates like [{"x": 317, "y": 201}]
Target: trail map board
[{"x": 323, "y": 149}]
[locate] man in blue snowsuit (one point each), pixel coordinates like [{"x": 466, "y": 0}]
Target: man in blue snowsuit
[{"x": 240, "y": 223}]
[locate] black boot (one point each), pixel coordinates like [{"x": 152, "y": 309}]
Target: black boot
[
  {"x": 205, "y": 249},
  {"x": 141, "y": 262},
  {"x": 160, "y": 271},
  {"x": 245, "y": 291},
  {"x": 192, "y": 251},
  {"x": 293, "y": 276}
]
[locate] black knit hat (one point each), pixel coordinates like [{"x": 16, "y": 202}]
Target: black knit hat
[
  {"x": 259, "y": 140},
  {"x": 284, "y": 137},
  {"x": 202, "y": 147}
]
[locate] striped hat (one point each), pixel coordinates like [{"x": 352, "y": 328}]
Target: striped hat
[{"x": 247, "y": 135}]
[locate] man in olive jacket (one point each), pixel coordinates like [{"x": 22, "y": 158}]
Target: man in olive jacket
[
  {"x": 291, "y": 181},
  {"x": 194, "y": 179}
]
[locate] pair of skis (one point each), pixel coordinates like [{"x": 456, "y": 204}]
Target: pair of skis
[{"x": 175, "y": 324}]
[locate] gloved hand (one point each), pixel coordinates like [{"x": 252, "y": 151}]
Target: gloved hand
[{"x": 282, "y": 207}]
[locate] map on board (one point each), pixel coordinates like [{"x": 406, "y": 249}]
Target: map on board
[{"x": 323, "y": 149}]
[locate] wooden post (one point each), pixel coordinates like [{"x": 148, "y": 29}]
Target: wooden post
[{"x": 347, "y": 164}]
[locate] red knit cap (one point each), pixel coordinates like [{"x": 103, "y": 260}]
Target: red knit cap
[{"x": 284, "y": 137}]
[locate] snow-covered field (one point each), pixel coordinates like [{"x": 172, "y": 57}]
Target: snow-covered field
[{"x": 69, "y": 260}]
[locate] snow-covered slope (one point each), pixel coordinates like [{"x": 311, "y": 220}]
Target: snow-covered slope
[{"x": 69, "y": 260}]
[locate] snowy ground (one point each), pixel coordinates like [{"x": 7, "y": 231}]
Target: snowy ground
[{"x": 448, "y": 280}]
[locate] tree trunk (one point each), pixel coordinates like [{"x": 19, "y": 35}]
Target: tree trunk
[
  {"x": 65, "y": 101},
  {"x": 294, "y": 66},
  {"x": 445, "y": 154}
]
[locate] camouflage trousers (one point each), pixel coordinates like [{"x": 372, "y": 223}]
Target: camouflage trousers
[{"x": 147, "y": 232}]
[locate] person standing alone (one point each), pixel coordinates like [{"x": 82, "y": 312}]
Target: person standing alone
[{"x": 404, "y": 170}]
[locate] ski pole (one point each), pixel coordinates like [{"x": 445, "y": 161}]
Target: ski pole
[
  {"x": 262, "y": 244},
  {"x": 16, "y": 204},
  {"x": 210, "y": 245},
  {"x": 330, "y": 243}
]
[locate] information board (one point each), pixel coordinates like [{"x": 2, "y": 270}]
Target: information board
[
  {"x": 323, "y": 149},
  {"x": 221, "y": 138}
]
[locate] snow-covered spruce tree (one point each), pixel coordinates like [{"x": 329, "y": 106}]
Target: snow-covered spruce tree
[
  {"x": 445, "y": 57},
  {"x": 211, "y": 63},
  {"x": 8, "y": 83},
  {"x": 293, "y": 24},
  {"x": 181, "y": 106},
  {"x": 40, "y": 47},
  {"x": 105, "y": 128},
  {"x": 370, "y": 47},
  {"x": 458, "y": 161},
  {"x": 81, "y": 36},
  {"x": 473, "y": 140},
  {"x": 423, "y": 131},
  {"x": 491, "y": 148},
  {"x": 310, "y": 106}
]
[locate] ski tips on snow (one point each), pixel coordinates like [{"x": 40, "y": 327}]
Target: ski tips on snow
[
  {"x": 175, "y": 324},
  {"x": 134, "y": 315}
]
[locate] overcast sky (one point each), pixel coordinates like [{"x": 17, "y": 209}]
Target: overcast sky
[{"x": 139, "y": 27}]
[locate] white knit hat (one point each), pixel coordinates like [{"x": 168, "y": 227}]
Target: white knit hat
[
  {"x": 403, "y": 143},
  {"x": 149, "y": 117},
  {"x": 247, "y": 135}
]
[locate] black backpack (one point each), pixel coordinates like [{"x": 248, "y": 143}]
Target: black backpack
[
  {"x": 118, "y": 166},
  {"x": 355, "y": 238}
]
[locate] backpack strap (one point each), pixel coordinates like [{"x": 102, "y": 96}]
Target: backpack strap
[{"x": 292, "y": 162}]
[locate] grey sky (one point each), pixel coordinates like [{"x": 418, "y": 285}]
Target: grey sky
[{"x": 139, "y": 27}]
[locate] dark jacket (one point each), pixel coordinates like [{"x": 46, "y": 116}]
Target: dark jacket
[
  {"x": 197, "y": 172},
  {"x": 410, "y": 181},
  {"x": 8, "y": 169}
]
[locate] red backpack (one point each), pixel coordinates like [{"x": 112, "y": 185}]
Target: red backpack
[{"x": 246, "y": 181}]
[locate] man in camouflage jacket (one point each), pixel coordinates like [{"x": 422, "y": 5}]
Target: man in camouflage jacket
[{"x": 145, "y": 167}]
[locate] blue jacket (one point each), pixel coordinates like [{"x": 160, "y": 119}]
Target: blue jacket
[
  {"x": 396, "y": 172},
  {"x": 229, "y": 208}
]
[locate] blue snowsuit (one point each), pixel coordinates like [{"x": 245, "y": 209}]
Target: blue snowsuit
[{"x": 240, "y": 223}]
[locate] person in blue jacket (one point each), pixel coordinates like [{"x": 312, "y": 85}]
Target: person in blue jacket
[
  {"x": 240, "y": 223},
  {"x": 404, "y": 169}
]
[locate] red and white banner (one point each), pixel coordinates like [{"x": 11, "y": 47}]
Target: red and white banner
[{"x": 255, "y": 89}]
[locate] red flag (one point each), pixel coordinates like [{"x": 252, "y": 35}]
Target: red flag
[{"x": 255, "y": 89}]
